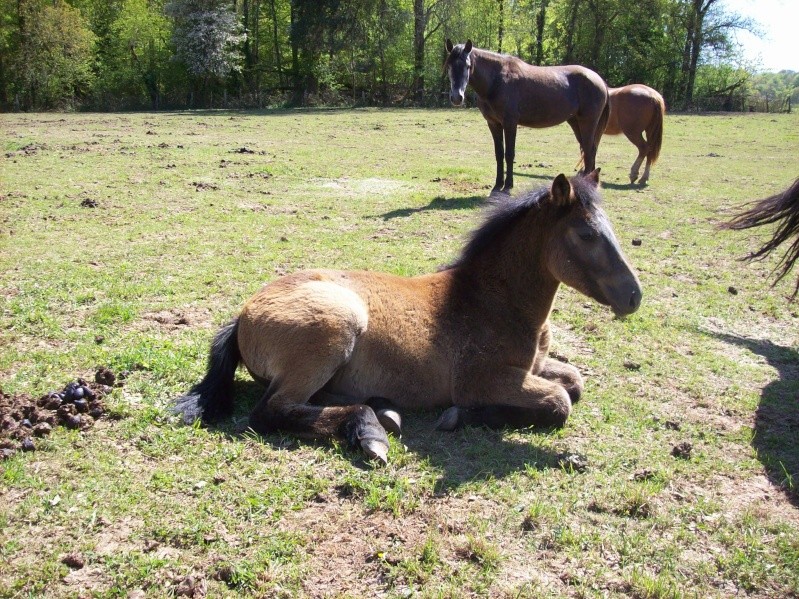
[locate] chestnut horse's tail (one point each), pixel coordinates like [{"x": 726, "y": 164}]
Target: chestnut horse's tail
[
  {"x": 212, "y": 398},
  {"x": 654, "y": 133}
]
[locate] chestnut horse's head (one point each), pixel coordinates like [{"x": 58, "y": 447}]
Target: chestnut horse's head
[
  {"x": 458, "y": 65},
  {"x": 582, "y": 249}
]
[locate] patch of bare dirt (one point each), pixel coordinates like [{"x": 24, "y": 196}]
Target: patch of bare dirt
[
  {"x": 25, "y": 420},
  {"x": 175, "y": 318}
]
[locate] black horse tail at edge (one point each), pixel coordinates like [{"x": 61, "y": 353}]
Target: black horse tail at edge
[{"x": 212, "y": 398}]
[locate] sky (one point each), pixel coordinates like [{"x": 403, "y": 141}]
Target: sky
[{"x": 778, "y": 47}]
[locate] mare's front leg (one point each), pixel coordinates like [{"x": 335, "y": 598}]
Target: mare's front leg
[
  {"x": 499, "y": 154},
  {"x": 509, "y": 127},
  {"x": 506, "y": 396}
]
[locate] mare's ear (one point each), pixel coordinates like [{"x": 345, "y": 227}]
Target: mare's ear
[
  {"x": 448, "y": 45},
  {"x": 561, "y": 191},
  {"x": 593, "y": 177},
  {"x": 468, "y": 47}
]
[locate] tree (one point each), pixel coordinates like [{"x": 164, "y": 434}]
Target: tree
[
  {"x": 53, "y": 62},
  {"x": 206, "y": 37}
]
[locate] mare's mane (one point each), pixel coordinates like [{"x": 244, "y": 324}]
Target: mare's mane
[{"x": 502, "y": 214}]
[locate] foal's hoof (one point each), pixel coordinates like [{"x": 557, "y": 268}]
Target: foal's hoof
[
  {"x": 388, "y": 417},
  {"x": 363, "y": 430},
  {"x": 375, "y": 450},
  {"x": 449, "y": 420}
]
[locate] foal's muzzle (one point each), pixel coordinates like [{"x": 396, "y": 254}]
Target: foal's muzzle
[{"x": 456, "y": 98}]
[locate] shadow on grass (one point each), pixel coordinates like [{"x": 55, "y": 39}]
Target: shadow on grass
[
  {"x": 468, "y": 455},
  {"x": 437, "y": 203},
  {"x": 622, "y": 186},
  {"x": 776, "y": 438}
]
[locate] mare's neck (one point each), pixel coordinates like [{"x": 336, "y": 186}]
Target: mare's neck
[{"x": 485, "y": 70}]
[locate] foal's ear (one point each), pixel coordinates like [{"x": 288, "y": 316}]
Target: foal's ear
[
  {"x": 561, "y": 191},
  {"x": 448, "y": 45},
  {"x": 468, "y": 47},
  {"x": 593, "y": 177}
]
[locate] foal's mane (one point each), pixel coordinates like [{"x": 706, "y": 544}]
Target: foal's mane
[{"x": 503, "y": 213}]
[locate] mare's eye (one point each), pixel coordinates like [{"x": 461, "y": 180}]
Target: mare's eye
[{"x": 588, "y": 236}]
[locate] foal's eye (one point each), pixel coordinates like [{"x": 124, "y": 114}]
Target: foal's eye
[{"x": 588, "y": 236}]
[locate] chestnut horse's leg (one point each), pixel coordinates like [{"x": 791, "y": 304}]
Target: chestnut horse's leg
[
  {"x": 643, "y": 147},
  {"x": 509, "y": 127},
  {"x": 499, "y": 153},
  {"x": 565, "y": 375}
]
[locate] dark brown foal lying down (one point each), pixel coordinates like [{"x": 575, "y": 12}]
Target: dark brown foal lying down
[{"x": 340, "y": 351}]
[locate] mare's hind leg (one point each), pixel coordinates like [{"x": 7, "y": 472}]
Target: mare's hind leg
[
  {"x": 506, "y": 396},
  {"x": 639, "y": 142},
  {"x": 584, "y": 132}
]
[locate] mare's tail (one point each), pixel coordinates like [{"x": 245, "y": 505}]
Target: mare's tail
[
  {"x": 603, "y": 122},
  {"x": 654, "y": 136},
  {"x": 212, "y": 398}
]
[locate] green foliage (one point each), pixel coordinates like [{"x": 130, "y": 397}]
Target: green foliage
[
  {"x": 53, "y": 58},
  {"x": 156, "y": 54}
]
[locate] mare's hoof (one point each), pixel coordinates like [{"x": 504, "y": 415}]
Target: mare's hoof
[{"x": 449, "y": 420}]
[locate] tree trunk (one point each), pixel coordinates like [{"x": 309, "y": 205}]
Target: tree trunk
[
  {"x": 540, "y": 21},
  {"x": 419, "y": 26},
  {"x": 501, "y": 32}
]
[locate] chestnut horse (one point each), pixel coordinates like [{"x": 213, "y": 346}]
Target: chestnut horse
[
  {"x": 781, "y": 209},
  {"x": 634, "y": 110},
  {"x": 511, "y": 92},
  {"x": 471, "y": 339}
]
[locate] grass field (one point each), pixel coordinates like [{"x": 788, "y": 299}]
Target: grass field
[{"x": 127, "y": 239}]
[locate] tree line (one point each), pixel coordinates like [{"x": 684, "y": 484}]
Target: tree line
[{"x": 154, "y": 54}]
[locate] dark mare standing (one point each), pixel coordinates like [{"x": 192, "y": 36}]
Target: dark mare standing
[
  {"x": 781, "y": 209},
  {"x": 634, "y": 110},
  {"x": 511, "y": 92},
  {"x": 340, "y": 351}
]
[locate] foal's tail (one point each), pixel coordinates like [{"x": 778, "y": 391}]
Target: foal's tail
[
  {"x": 212, "y": 398},
  {"x": 654, "y": 133}
]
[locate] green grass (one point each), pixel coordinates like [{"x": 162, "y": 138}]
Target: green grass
[{"x": 187, "y": 227}]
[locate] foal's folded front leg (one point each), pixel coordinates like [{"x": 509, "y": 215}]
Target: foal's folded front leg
[{"x": 507, "y": 397}]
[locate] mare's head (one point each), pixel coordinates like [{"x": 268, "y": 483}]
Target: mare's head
[
  {"x": 582, "y": 250},
  {"x": 458, "y": 65}
]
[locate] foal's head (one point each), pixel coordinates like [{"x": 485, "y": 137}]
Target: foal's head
[
  {"x": 458, "y": 65},
  {"x": 582, "y": 250}
]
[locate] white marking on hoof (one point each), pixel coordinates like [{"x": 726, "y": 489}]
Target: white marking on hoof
[
  {"x": 375, "y": 450},
  {"x": 391, "y": 421}
]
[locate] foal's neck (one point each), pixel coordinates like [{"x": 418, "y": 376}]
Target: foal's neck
[
  {"x": 487, "y": 66},
  {"x": 515, "y": 273}
]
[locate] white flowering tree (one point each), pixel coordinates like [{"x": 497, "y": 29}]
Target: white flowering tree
[{"x": 207, "y": 37}]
